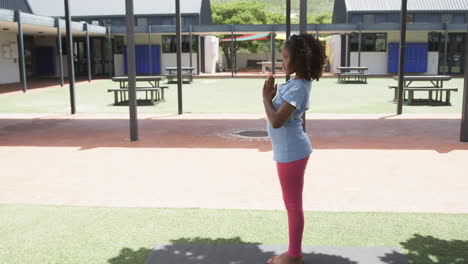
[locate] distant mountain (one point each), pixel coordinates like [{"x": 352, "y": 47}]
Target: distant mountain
[{"x": 314, "y": 7}]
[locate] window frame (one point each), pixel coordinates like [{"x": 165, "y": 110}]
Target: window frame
[
  {"x": 354, "y": 47},
  {"x": 185, "y": 44}
]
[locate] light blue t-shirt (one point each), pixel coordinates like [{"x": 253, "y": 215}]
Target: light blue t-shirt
[{"x": 289, "y": 142}]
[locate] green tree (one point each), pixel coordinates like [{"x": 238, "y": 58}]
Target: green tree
[
  {"x": 244, "y": 12},
  {"x": 324, "y": 18}
]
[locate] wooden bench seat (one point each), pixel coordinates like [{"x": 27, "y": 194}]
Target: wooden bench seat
[
  {"x": 356, "y": 76},
  {"x": 439, "y": 93},
  {"x": 172, "y": 77},
  {"x": 156, "y": 93},
  {"x": 354, "y": 73}
]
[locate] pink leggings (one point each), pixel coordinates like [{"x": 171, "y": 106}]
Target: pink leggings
[{"x": 291, "y": 176}]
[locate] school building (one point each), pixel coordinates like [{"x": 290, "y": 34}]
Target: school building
[
  {"x": 436, "y": 38},
  {"x": 42, "y": 23}
]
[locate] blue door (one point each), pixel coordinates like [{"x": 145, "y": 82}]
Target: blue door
[
  {"x": 416, "y": 56},
  {"x": 45, "y": 61},
  {"x": 142, "y": 59}
]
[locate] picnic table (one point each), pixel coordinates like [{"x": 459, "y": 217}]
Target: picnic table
[
  {"x": 353, "y": 74},
  {"x": 266, "y": 64},
  {"x": 187, "y": 73},
  {"x": 436, "y": 86},
  {"x": 154, "y": 89}
]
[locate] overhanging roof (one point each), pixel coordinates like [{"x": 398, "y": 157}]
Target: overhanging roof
[
  {"x": 85, "y": 8},
  {"x": 34, "y": 23},
  {"x": 413, "y": 5}
]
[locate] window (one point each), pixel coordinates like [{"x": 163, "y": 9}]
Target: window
[
  {"x": 393, "y": 18},
  {"x": 458, "y": 19},
  {"x": 189, "y": 20},
  {"x": 118, "y": 44},
  {"x": 409, "y": 18},
  {"x": 446, "y": 18},
  {"x": 369, "y": 19},
  {"x": 435, "y": 41},
  {"x": 168, "y": 20},
  {"x": 141, "y": 21},
  {"x": 370, "y": 42},
  {"x": 107, "y": 22},
  {"x": 356, "y": 19},
  {"x": 169, "y": 44},
  {"x": 381, "y": 18},
  {"x": 119, "y": 22}
]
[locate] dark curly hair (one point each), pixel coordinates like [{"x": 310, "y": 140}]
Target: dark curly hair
[{"x": 307, "y": 56}]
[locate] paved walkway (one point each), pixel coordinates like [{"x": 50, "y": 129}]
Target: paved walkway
[{"x": 409, "y": 163}]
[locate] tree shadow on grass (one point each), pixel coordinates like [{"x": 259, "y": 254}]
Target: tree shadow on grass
[
  {"x": 200, "y": 250},
  {"x": 432, "y": 250}
]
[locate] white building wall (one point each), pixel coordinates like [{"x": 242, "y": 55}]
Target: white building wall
[
  {"x": 119, "y": 69},
  {"x": 170, "y": 60},
  {"x": 9, "y": 62},
  {"x": 211, "y": 53},
  {"x": 377, "y": 62},
  {"x": 333, "y": 50},
  {"x": 432, "y": 63}
]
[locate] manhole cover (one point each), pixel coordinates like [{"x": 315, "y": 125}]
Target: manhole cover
[{"x": 252, "y": 134}]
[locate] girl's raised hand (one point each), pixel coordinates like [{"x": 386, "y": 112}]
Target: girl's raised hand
[{"x": 269, "y": 88}]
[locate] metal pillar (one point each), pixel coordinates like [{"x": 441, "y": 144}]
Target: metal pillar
[
  {"x": 190, "y": 44},
  {"x": 21, "y": 50},
  {"x": 360, "y": 45},
  {"x": 198, "y": 55},
  {"x": 273, "y": 53},
  {"x": 235, "y": 56},
  {"x": 445, "y": 47},
  {"x": 303, "y": 27},
  {"x": 232, "y": 53},
  {"x": 288, "y": 25},
  {"x": 150, "y": 43},
  {"x": 131, "y": 69},
  {"x": 317, "y": 30},
  {"x": 71, "y": 66},
  {"x": 464, "y": 119},
  {"x": 347, "y": 50},
  {"x": 59, "y": 50},
  {"x": 88, "y": 52},
  {"x": 401, "y": 67},
  {"x": 109, "y": 52},
  {"x": 179, "y": 56},
  {"x": 303, "y": 16}
]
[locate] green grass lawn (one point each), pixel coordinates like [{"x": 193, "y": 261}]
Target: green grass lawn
[
  {"x": 72, "y": 234},
  {"x": 226, "y": 96}
]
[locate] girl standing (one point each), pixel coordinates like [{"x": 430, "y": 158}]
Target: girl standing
[{"x": 303, "y": 55}]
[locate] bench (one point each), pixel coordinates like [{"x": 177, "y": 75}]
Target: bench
[
  {"x": 269, "y": 64},
  {"x": 156, "y": 93},
  {"x": 352, "y": 74},
  {"x": 430, "y": 89},
  {"x": 352, "y": 77},
  {"x": 171, "y": 78}
]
